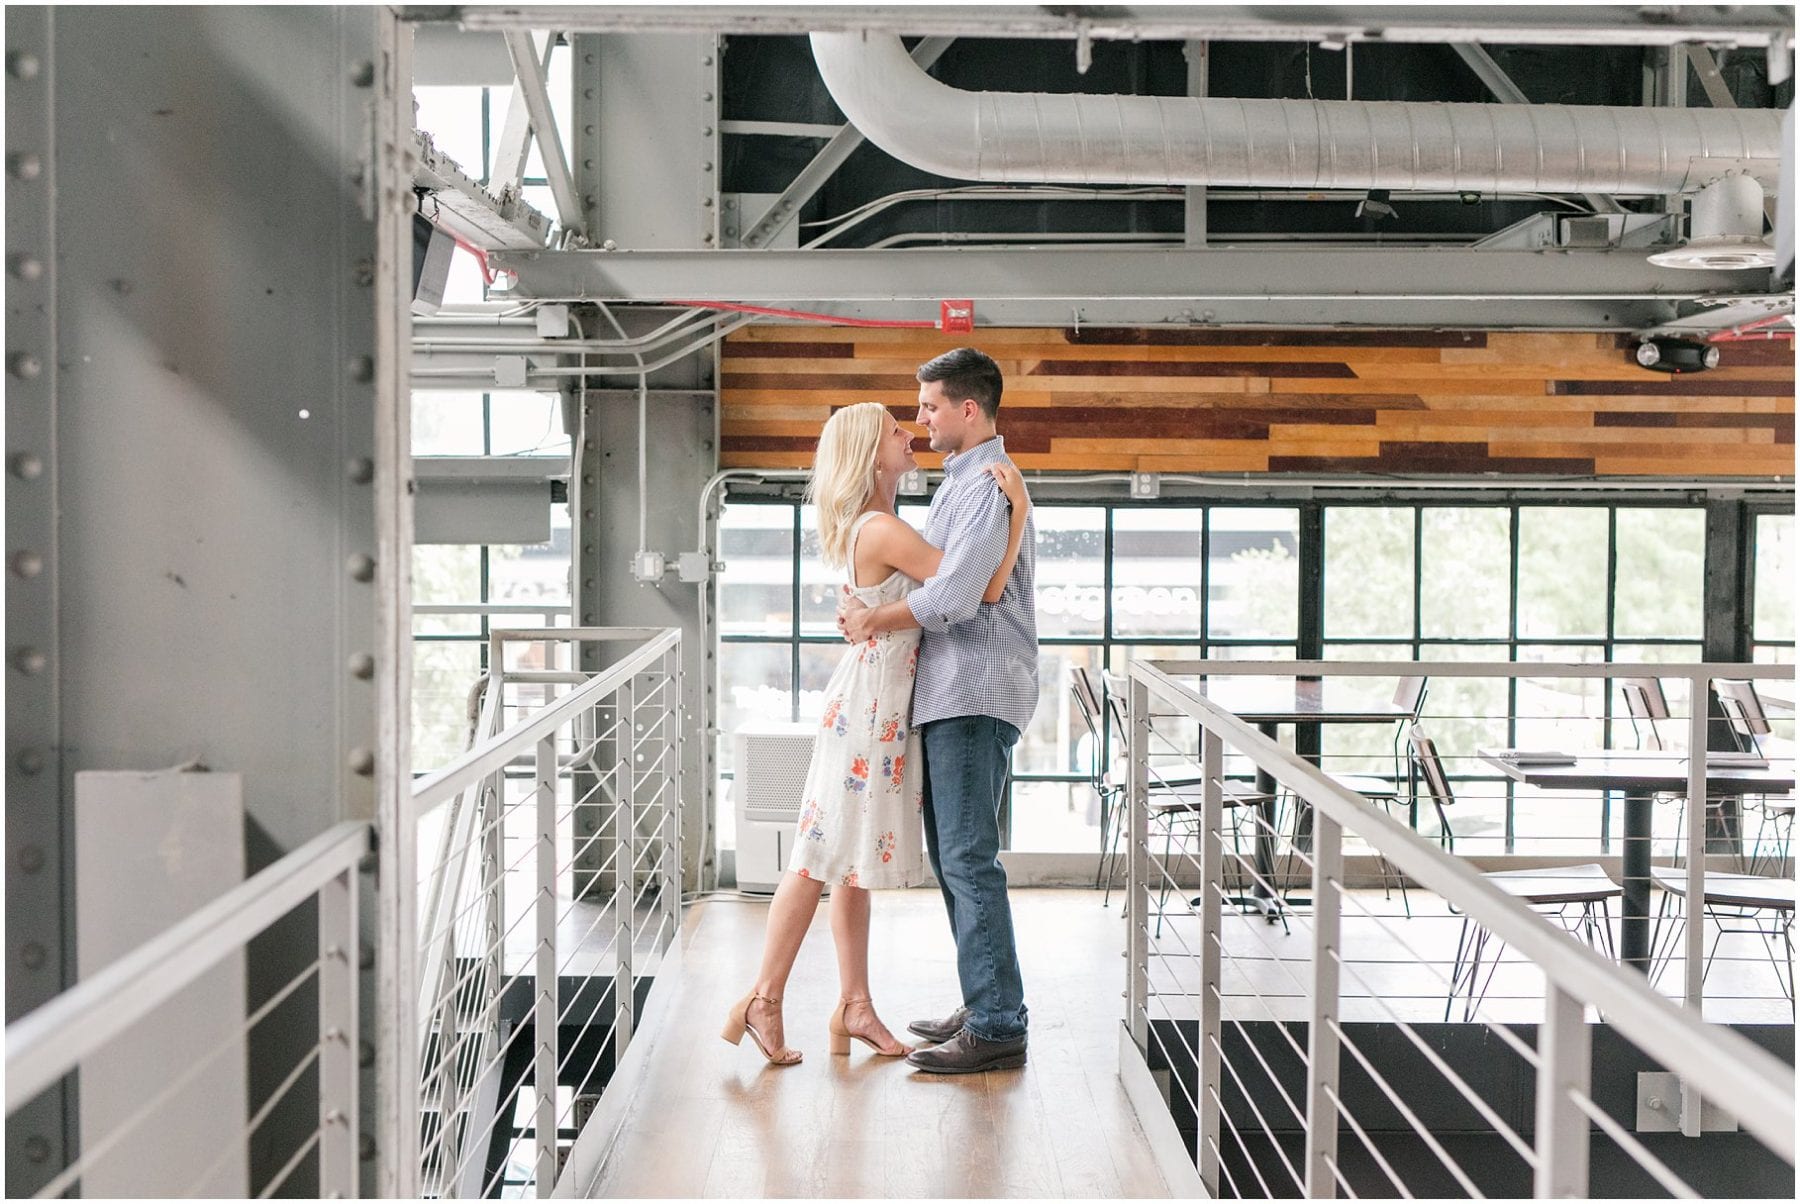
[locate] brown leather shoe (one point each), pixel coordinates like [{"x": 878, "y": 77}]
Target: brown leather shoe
[
  {"x": 965, "y": 1053},
  {"x": 940, "y": 1031}
]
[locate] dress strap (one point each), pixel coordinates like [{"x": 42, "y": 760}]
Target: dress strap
[{"x": 850, "y": 549}]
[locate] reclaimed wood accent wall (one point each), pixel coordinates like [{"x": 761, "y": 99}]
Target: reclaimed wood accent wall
[{"x": 1199, "y": 401}]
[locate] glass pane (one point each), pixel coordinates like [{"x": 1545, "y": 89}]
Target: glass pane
[
  {"x": 1171, "y": 736},
  {"x": 1673, "y": 731},
  {"x": 532, "y": 572},
  {"x": 451, "y": 114},
  {"x": 446, "y": 575},
  {"x": 1562, "y": 571},
  {"x": 446, "y": 424},
  {"x": 1071, "y": 542},
  {"x": 1463, "y": 715},
  {"x": 1055, "y": 817},
  {"x": 1368, "y": 571},
  {"x": 1660, "y": 580},
  {"x": 1254, "y": 570},
  {"x": 1465, "y": 562},
  {"x": 562, "y": 96},
  {"x": 1774, "y": 654},
  {"x": 819, "y": 584},
  {"x": 1772, "y": 616},
  {"x": 1561, "y": 713},
  {"x": 1058, "y": 739},
  {"x": 442, "y": 674},
  {"x": 1156, "y": 572},
  {"x": 756, "y": 587},
  {"x": 1370, "y": 749},
  {"x": 526, "y": 423},
  {"x": 755, "y": 685},
  {"x": 465, "y": 285},
  {"x": 817, "y": 662}
]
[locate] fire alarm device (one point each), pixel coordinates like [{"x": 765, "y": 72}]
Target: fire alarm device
[{"x": 956, "y": 317}]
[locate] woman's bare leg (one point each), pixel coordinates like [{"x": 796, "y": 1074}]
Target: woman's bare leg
[
  {"x": 790, "y": 915},
  {"x": 850, "y": 932}
]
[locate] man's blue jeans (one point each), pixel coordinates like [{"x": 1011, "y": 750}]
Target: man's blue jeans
[{"x": 965, "y": 772}]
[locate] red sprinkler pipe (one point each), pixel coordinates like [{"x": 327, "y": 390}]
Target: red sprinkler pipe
[{"x": 1740, "y": 334}]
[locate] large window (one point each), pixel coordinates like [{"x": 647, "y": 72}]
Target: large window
[
  {"x": 1569, "y": 582},
  {"x": 1572, "y": 580},
  {"x": 456, "y": 586}
]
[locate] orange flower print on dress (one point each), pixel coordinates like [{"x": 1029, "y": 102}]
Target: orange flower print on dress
[
  {"x": 850, "y": 879},
  {"x": 802, "y": 872},
  {"x": 884, "y": 845},
  {"x": 912, "y": 662},
  {"x": 897, "y": 774},
  {"x": 834, "y": 716},
  {"x": 858, "y": 781},
  {"x": 890, "y": 730}
]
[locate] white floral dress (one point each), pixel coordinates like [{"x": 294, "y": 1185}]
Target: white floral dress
[{"x": 860, "y": 819}]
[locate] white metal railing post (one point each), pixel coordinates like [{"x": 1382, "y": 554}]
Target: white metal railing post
[
  {"x": 1693, "y": 907},
  {"x": 675, "y": 750},
  {"x": 1564, "y": 1051},
  {"x": 544, "y": 1067},
  {"x": 625, "y": 876},
  {"x": 339, "y": 1117},
  {"x": 1212, "y": 990},
  {"x": 1322, "y": 1051},
  {"x": 1137, "y": 951}
]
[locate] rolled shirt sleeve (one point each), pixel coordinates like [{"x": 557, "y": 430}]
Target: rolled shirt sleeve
[{"x": 974, "y": 550}]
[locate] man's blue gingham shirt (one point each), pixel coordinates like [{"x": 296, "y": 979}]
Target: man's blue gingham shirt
[{"x": 976, "y": 659}]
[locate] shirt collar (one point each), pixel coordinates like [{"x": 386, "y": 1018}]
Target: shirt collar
[{"x": 990, "y": 451}]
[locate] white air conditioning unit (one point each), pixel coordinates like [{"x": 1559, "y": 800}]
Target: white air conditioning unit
[{"x": 771, "y": 760}]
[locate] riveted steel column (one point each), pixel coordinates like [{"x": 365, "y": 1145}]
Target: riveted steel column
[
  {"x": 1137, "y": 951},
  {"x": 339, "y": 1116},
  {"x": 37, "y": 858}
]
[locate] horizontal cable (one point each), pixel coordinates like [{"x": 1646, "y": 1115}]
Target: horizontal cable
[
  {"x": 281, "y": 1176},
  {"x": 1400, "y": 1106},
  {"x": 1456, "y": 1080},
  {"x": 61, "y": 1183},
  {"x": 1374, "y": 1150},
  {"x": 1659, "y": 1170}
]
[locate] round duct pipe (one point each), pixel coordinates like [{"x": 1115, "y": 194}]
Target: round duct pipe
[
  {"x": 1181, "y": 140},
  {"x": 1724, "y": 229}
]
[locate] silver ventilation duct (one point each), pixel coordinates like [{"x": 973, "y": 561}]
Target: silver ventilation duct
[
  {"x": 1724, "y": 229},
  {"x": 1301, "y": 144}
]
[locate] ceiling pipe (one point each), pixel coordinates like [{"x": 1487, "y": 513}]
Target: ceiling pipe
[{"x": 1181, "y": 140}]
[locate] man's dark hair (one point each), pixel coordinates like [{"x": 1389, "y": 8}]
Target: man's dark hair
[{"x": 966, "y": 374}]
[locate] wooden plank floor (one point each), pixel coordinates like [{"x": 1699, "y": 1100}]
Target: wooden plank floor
[{"x": 714, "y": 1121}]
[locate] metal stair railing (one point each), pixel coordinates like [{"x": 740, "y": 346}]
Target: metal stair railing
[{"x": 605, "y": 760}]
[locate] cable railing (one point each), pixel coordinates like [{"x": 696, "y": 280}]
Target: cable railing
[
  {"x": 552, "y": 893},
  {"x": 85, "y": 1035},
  {"x": 1483, "y": 1033}
]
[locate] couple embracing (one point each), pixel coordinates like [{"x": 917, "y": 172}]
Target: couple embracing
[{"x": 920, "y": 717}]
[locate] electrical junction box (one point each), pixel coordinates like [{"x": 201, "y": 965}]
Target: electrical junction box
[
  {"x": 648, "y": 567},
  {"x": 956, "y": 317}
]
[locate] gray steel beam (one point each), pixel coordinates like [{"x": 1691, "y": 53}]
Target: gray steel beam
[
  {"x": 786, "y": 207},
  {"x": 1503, "y": 88},
  {"x": 1713, "y": 84},
  {"x": 537, "y": 101},
  {"x": 1082, "y": 274},
  {"x": 465, "y": 208},
  {"x": 1575, "y": 25},
  {"x": 514, "y": 147},
  {"x": 1199, "y": 70}
]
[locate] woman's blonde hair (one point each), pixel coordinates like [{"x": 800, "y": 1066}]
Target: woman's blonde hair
[{"x": 843, "y": 475}]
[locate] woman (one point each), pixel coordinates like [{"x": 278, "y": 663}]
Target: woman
[{"x": 859, "y": 823}]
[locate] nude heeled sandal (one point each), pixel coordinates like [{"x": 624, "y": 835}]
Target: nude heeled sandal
[
  {"x": 841, "y": 1034},
  {"x": 737, "y": 1023}
]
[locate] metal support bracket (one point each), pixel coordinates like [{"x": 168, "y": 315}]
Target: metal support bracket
[{"x": 1659, "y": 1106}]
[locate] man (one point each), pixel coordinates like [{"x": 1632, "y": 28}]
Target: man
[{"x": 975, "y": 691}]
